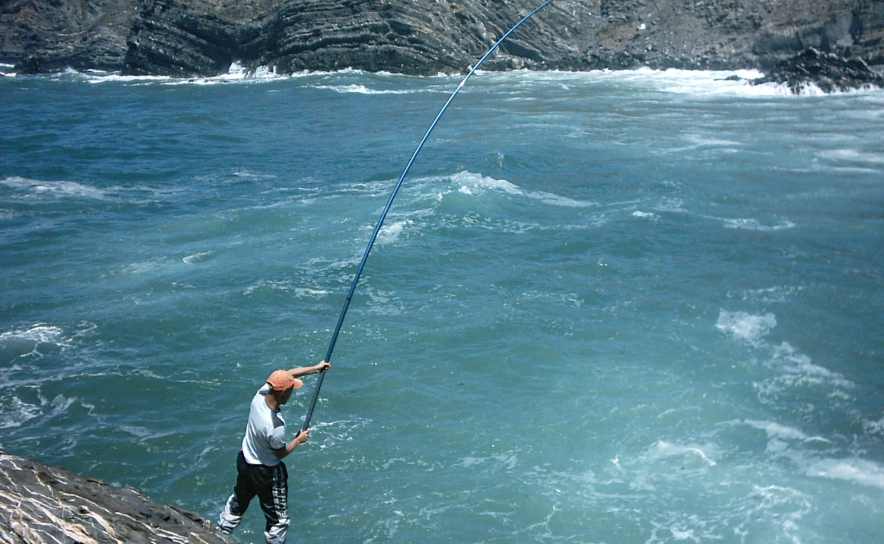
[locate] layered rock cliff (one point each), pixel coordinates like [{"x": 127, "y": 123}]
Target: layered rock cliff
[{"x": 203, "y": 37}]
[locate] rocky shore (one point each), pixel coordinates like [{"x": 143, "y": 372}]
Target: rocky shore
[
  {"x": 198, "y": 38},
  {"x": 826, "y": 71},
  {"x": 39, "y": 503}
]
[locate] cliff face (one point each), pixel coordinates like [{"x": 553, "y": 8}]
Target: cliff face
[
  {"x": 203, "y": 37},
  {"x": 49, "y": 35}
]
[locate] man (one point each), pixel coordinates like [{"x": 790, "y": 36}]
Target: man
[{"x": 259, "y": 467}]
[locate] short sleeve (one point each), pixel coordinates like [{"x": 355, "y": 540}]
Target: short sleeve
[{"x": 276, "y": 440}]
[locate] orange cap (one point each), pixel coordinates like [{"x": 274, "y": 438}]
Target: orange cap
[{"x": 280, "y": 380}]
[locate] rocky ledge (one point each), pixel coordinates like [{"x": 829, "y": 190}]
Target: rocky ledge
[
  {"x": 46, "y": 504},
  {"x": 826, "y": 71}
]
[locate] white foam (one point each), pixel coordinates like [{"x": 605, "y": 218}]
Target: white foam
[
  {"x": 143, "y": 267},
  {"x": 782, "y": 432},
  {"x": 506, "y": 461},
  {"x": 40, "y": 333},
  {"x": 237, "y": 72},
  {"x": 753, "y": 224},
  {"x": 794, "y": 368},
  {"x": 700, "y": 82},
  {"x": 57, "y": 189},
  {"x": 27, "y": 342},
  {"x": 470, "y": 183},
  {"x": 299, "y": 292},
  {"x": 15, "y": 412},
  {"x": 861, "y": 471},
  {"x": 60, "y": 404},
  {"x": 853, "y": 155},
  {"x": 673, "y": 205},
  {"x": 354, "y": 88},
  {"x": 197, "y": 257},
  {"x": 786, "y": 358},
  {"x": 646, "y": 215},
  {"x": 663, "y": 449},
  {"x": 769, "y": 295},
  {"x": 782, "y": 442},
  {"x": 874, "y": 427},
  {"x": 746, "y": 327},
  {"x": 389, "y": 233},
  {"x": 700, "y": 141}
]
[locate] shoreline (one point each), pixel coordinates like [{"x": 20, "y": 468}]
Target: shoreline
[{"x": 777, "y": 83}]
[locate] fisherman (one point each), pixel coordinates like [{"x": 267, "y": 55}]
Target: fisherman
[{"x": 259, "y": 467}]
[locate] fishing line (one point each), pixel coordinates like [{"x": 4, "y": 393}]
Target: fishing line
[{"x": 374, "y": 235}]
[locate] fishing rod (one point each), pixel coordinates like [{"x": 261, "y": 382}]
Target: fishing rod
[{"x": 377, "y": 229}]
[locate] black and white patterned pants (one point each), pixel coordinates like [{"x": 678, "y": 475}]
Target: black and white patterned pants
[{"x": 270, "y": 484}]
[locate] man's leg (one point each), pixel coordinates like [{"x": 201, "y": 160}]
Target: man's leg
[
  {"x": 238, "y": 502},
  {"x": 274, "y": 499}
]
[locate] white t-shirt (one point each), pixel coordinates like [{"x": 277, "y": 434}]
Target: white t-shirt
[{"x": 265, "y": 432}]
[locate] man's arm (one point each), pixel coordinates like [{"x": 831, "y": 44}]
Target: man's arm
[
  {"x": 299, "y": 439},
  {"x": 297, "y": 372}
]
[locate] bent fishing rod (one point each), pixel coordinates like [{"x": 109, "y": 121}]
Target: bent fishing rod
[{"x": 380, "y": 223}]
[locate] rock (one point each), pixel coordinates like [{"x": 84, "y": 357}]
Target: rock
[
  {"x": 51, "y": 35},
  {"x": 39, "y": 503},
  {"x": 827, "y": 71},
  {"x": 195, "y": 38}
]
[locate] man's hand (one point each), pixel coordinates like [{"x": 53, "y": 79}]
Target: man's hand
[{"x": 300, "y": 438}]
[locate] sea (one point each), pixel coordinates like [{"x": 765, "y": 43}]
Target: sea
[{"x": 606, "y": 307}]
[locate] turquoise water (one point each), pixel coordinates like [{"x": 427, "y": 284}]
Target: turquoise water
[{"x": 629, "y": 307}]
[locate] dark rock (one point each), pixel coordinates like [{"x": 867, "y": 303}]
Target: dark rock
[
  {"x": 51, "y": 35},
  {"x": 39, "y": 503},
  {"x": 827, "y": 71}
]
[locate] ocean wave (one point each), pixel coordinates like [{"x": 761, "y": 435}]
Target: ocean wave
[
  {"x": 198, "y": 257},
  {"x": 662, "y": 450},
  {"x": 870, "y": 159},
  {"x": 782, "y": 441},
  {"x": 358, "y": 88},
  {"x": 567, "y": 299},
  {"x": 288, "y": 287},
  {"x": 799, "y": 369},
  {"x": 779, "y": 294},
  {"x": 874, "y": 427},
  {"x": 746, "y": 327},
  {"x": 753, "y": 224},
  {"x": 861, "y": 471},
  {"x": 33, "y": 341},
  {"x": 59, "y": 189},
  {"x": 157, "y": 264},
  {"x": 41, "y": 190},
  {"x": 775, "y": 431},
  {"x": 792, "y": 369},
  {"x": 700, "y": 83},
  {"x": 739, "y": 223},
  {"x": 472, "y": 184},
  {"x": 654, "y": 218},
  {"x": 14, "y": 412},
  {"x": 423, "y": 197},
  {"x": 389, "y": 233}
]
